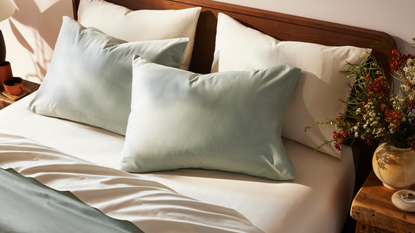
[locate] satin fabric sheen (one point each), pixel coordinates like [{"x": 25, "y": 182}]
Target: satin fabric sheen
[
  {"x": 320, "y": 195},
  {"x": 151, "y": 206},
  {"x": 89, "y": 79},
  {"x": 29, "y": 206}
]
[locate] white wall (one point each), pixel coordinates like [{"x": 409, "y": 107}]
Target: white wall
[
  {"x": 30, "y": 35},
  {"x": 31, "y": 32}
]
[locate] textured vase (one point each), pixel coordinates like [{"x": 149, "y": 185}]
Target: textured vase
[{"x": 395, "y": 167}]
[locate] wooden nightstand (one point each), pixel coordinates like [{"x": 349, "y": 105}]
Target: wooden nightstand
[
  {"x": 29, "y": 87},
  {"x": 374, "y": 212}
]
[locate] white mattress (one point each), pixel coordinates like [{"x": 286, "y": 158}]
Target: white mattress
[{"x": 316, "y": 201}]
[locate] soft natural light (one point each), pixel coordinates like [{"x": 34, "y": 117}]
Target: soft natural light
[{"x": 45, "y": 4}]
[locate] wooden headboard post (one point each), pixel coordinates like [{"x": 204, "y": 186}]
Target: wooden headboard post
[{"x": 75, "y": 5}]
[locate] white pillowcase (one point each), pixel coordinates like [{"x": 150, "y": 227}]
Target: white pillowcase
[
  {"x": 141, "y": 25},
  {"x": 319, "y": 87}
]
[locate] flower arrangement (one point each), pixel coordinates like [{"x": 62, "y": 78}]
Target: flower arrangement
[{"x": 375, "y": 112}]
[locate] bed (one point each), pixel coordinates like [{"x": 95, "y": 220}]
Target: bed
[{"x": 66, "y": 154}]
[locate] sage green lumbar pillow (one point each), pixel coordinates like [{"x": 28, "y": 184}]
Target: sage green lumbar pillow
[
  {"x": 222, "y": 121},
  {"x": 90, "y": 76}
]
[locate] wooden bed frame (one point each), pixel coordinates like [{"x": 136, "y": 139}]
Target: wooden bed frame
[{"x": 283, "y": 27}]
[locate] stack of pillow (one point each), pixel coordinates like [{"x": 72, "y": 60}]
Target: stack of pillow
[{"x": 126, "y": 71}]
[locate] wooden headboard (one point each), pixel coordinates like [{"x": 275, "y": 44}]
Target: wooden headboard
[{"x": 281, "y": 26}]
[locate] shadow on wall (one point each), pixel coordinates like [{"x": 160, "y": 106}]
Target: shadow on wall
[
  {"x": 405, "y": 47},
  {"x": 42, "y": 28}
]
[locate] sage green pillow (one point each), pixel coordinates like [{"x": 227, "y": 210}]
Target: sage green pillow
[
  {"x": 90, "y": 76},
  {"x": 229, "y": 121}
]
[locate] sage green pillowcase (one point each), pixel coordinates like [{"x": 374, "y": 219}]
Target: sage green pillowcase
[
  {"x": 222, "y": 121},
  {"x": 90, "y": 76}
]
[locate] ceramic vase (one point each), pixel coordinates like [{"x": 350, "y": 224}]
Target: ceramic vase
[
  {"x": 395, "y": 167},
  {"x": 5, "y": 71}
]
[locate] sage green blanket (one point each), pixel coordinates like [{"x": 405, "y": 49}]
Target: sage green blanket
[{"x": 27, "y": 205}]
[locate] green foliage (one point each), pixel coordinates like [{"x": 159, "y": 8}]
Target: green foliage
[{"x": 375, "y": 112}]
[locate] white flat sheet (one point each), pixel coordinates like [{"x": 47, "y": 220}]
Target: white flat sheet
[
  {"x": 151, "y": 206},
  {"x": 316, "y": 201}
]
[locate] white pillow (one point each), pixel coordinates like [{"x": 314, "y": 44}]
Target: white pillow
[
  {"x": 141, "y": 25},
  {"x": 319, "y": 87}
]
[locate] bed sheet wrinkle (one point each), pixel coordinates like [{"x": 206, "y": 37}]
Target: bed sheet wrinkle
[
  {"x": 319, "y": 195},
  {"x": 270, "y": 206},
  {"x": 153, "y": 207}
]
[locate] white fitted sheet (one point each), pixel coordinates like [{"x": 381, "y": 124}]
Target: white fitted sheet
[{"x": 317, "y": 200}]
